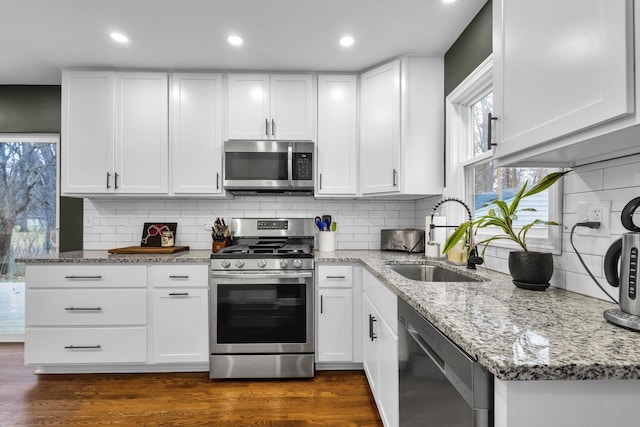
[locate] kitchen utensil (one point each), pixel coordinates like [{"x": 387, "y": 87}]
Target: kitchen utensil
[
  {"x": 627, "y": 251},
  {"x": 326, "y": 219},
  {"x": 334, "y": 226},
  {"x": 319, "y": 223}
]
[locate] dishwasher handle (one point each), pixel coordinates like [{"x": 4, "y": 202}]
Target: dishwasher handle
[{"x": 426, "y": 348}]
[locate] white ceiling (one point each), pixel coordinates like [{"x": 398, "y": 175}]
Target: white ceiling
[{"x": 40, "y": 37}]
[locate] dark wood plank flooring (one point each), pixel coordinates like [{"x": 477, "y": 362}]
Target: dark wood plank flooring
[{"x": 332, "y": 398}]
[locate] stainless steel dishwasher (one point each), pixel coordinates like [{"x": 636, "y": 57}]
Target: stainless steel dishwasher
[{"x": 440, "y": 385}]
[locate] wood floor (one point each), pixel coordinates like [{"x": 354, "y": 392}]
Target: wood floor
[{"x": 332, "y": 398}]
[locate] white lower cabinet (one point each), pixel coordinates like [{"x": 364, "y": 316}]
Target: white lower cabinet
[
  {"x": 337, "y": 314},
  {"x": 180, "y": 314},
  {"x": 116, "y": 318},
  {"x": 380, "y": 347}
]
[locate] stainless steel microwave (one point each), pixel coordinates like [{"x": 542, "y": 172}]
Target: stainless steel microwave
[{"x": 254, "y": 167}]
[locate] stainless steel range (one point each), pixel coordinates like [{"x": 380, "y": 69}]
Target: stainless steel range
[{"x": 261, "y": 301}]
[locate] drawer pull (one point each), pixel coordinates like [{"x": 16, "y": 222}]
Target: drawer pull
[
  {"x": 336, "y": 277},
  {"x": 179, "y": 277},
  {"x": 83, "y": 277},
  {"x": 83, "y": 308},
  {"x": 179, "y": 294},
  {"x": 82, "y": 347}
]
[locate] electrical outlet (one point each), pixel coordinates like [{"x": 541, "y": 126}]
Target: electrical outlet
[
  {"x": 88, "y": 220},
  {"x": 208, "y": 225},
  {"x": 595, "y": 211}
]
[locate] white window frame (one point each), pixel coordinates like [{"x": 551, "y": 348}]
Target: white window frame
[{"x": 460, "y": 159}]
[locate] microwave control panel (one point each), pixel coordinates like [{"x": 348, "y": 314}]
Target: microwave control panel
[{"x": 302, "y": 166}]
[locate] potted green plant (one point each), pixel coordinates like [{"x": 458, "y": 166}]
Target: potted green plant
[{"x": 529, "y": 269}]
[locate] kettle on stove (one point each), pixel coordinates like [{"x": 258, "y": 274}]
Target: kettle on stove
[{"x": 626, "y": 250}]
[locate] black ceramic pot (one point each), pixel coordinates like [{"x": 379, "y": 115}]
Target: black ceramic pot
[{"x": 531, "y": 270}]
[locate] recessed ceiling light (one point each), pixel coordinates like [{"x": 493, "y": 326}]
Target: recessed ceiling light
[
  {"x": 346, "y": 41},
  {"x": 235, "y": 40},
  {"x": 120, "y": 38},
  {"x": 448, "y": 1}
]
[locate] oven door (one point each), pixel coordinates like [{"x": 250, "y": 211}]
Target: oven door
[{"x": 261, "y": 312}]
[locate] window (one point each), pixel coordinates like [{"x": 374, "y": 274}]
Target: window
[
  {"x": 470, "y": 171},
  {"x": 28, "y": 218}
]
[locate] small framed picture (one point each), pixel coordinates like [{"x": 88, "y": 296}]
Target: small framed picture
[{"x": 152, "y": 232}]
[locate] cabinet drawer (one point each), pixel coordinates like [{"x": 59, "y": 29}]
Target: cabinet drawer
[
  {"x": 86, "y": 307},
  {"x": 174, "y": 275},
  {"x": 85, "y": 345},
  {"x": 335, "y": 276},
  {"x": 86, "y": 276}
]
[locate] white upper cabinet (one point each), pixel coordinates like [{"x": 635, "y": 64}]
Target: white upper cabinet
[
  {"x": 337, "y": 135},
  {"x": 114, "y": 133},
  {"x": 402, "y": 128},
  {"x": 563, "y": 74},
  {"x": 142, "y": 141},
  {"x": 196, "y": 133},
  {"x": 86, "y": 165},
  {"x": 277, "y": 106}
]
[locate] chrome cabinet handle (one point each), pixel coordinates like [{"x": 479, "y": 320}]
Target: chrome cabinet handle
[
  {"x": 83, "y": 277},
  {"x": 490, "y": 120},
  {"x": 108, "y": 179},
  {"x": 336, "y": 277},
  {"x": 115, "y": 178},
  {"x": 320, "y": 185},
  {"x": 217, "y": 180},
  {"x": 273, "y": 127},
  {"x": 321, "y": 303},
  {"x": 266, "y": 127},
  {"x": 79, "y": 347},
  {"x": 372, "y": 335},
  {"x": 179, "y": 277},
  {"x": 179, "y": 294},
  {"x": 83, "y": 308},
  {"x": 395, "y": 180}
]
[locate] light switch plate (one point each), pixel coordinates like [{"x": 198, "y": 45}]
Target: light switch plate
[{"x": 599, "y": 210}]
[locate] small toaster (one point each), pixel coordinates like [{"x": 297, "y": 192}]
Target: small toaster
[{"x": 402, "y": 239}]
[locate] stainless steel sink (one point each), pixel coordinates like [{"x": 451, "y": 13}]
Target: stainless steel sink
[{"x": 430, "y": 273}]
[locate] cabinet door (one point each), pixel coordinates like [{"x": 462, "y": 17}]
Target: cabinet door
[
  {"x": 87, "y": 132},
  {"x": 380, "y": 129},
  {"x": 248, "y": 106},
  {"x": 560, "y": 67},
  {"x": 180, "y": 325},
  {"x": 196, "y": 133},
  {"x": 291, "y": 107},
  {"x": 388, "y": 397},
  {"x": 370, "y": 359},
  {"x": 335, "y": 325},
  {"x": 337, "y": 137},
  {"x": 142, "y": 157}
]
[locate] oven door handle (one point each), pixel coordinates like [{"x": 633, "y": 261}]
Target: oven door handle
[{"x": 262, "y": 275}]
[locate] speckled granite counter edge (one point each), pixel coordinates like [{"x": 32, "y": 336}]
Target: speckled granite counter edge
[
  {"x": 592, "y": 366},
  {"x": 103, "y": 257}
]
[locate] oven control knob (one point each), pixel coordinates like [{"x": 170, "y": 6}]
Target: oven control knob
[
  {"x": 239, "y": 263},
  {"x": 297, "y": 263},
  {"x": 262, "y": 263},
  {"x": 225, "y": 263},
  {"x": 284, "y": 263}
]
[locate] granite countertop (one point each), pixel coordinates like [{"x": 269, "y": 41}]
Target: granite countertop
[
  {"x": 102, "y": 257},
  {"x": 516, "y": 334}
]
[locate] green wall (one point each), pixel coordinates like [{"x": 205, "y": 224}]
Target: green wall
[
  {"x": 29, "y": 109},
  {"x": 36, "y": 109},
  {"x": 469, "y": 50}
]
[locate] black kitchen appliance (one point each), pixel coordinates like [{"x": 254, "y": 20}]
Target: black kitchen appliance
[
  {"x": 261, "y": 301},
  {"x": 626, "y": 250}
]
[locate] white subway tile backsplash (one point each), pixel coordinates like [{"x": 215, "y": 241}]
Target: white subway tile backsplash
[
  {"x": 581, "y": 182},
  {"x": 627, "y": 175}
]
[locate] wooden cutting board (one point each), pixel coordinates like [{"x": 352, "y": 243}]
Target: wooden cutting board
[{"x": 148, "y": 250}]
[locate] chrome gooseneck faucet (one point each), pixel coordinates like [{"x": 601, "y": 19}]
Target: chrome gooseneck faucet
[{"x": 473, "y": 257}]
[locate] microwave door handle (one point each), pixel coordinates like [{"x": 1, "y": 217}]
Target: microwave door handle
[{"x": 290, "y": 163}]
